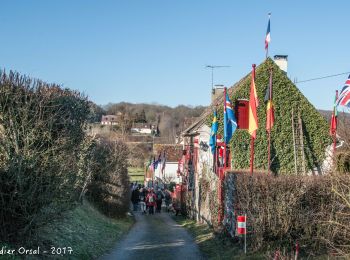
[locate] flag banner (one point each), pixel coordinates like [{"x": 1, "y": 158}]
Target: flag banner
[
  {"x": 213, "y": 132},
  {"x": 268, "y": 35},
  {"x": 253, "y": 105},
  {"x": 344, "y": 96},
  {"x": 270, "y": 113},
  {"x": 230, "y": 122},
  {"x": 333, "y": 127}
]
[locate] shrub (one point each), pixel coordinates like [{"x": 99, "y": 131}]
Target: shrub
[
  {"x": 282, "y": 210},
  {"x": 46, "y": 160},
  {"x": 109, "y": 188},
  {"x": 42, "y": 127},
  {"x": 343, "y": 162}
]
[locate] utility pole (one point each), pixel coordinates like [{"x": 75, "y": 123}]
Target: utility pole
[{"x": 212, "y": 67}]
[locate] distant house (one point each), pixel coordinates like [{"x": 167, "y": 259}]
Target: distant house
[
  {"x": 142, "y": 128},
  {"x": 167, "y": 172},
  {"x": 109, "y": 120}
]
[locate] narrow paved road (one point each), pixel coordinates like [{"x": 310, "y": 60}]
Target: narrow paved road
[{"x": 155, "y": 237}]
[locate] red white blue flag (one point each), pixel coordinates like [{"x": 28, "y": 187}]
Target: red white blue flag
[
  {"x": 268, "y": 36},
  {"x": 344, "y": 96}
]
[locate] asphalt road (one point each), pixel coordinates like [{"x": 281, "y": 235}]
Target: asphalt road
[{"x": 155, "y": 237}]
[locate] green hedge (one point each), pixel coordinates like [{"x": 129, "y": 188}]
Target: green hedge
[{"x": 285, "y": 96}]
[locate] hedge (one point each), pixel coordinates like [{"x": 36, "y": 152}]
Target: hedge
[{"x": 313, "y": 211}]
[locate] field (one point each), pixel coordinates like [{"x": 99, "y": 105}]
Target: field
[{"x": 136, "y": 174}]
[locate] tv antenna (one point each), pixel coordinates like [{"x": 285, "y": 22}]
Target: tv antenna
[{"x": 212, "y": 67}]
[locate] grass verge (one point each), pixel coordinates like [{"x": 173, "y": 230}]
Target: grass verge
[
  {"x": 85, "y": 230},
  {"x": 136, "y": 174},
  {"x": 212, "y": 246}
]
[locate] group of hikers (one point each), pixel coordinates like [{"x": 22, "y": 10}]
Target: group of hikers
[{"x": 150, "y": 199}]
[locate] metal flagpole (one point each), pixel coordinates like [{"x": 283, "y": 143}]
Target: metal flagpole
[
  {"x": 269, "y": 130},
  {"x": 214, "y": 154},
  {"x": 252, "y": 139},
  {"x": 222, "y": 169},
  {"x": 336, "y": 122},
  {"x": 245, "y": 234},
  {"x": 269, "y": 154},
  {"x": 224, "y": 159},
  {"x": 251, "y": 155}
]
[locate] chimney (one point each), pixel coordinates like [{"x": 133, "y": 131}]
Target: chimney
[
  {"x": 282, "y": 62},
  {"x": 216, "y": 92}
]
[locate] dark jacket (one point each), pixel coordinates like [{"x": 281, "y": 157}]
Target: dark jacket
[{"x": 135, "y": 196}]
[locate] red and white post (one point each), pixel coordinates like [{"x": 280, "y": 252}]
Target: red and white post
[
  {"x": 335, "y": 132},
  {"x": 242, "y": 229}
]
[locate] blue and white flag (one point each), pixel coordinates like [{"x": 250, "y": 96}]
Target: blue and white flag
[
  {"x": 213, "y": 132},
  {"x": 230, "y": 122}
]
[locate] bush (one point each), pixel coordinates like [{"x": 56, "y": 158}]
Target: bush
[
  {"x": 42, "y": 128},
  {"x": 47, "y": 161},
  {"x": 109, "y": 188},
  {"x": 343, "y": 162},
  {"x": 171, "y": 186},
  {"x": 282, "y": 210}
]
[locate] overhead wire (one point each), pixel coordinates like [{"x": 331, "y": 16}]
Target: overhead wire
[{"x": 324, "y": 77}]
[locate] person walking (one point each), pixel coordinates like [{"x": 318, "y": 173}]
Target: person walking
[
  {"x": 159, "y": 200},
  {"x": 151, "y": 201},
  {"x": 135, "y": 198},
  {"x": 143, "y": 200},
  {"x": 167, "y": 199}
]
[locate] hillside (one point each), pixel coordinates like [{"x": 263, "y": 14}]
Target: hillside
[{"x": 171, "y": 121}]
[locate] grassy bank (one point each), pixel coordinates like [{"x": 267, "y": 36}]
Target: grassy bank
[
  {"x": 85, "y": 230},
  {"x": 212, "y": 246}
]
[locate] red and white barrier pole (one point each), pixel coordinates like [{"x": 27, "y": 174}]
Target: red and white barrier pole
[{"x": 242, "y": 229}]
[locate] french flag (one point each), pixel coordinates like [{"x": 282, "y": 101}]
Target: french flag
[{"x": 268, "y": 37}]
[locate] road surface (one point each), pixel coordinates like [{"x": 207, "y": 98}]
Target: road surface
[{"x": 155, "y": 237}]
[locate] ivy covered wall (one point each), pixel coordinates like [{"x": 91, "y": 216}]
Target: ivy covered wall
[{"x": 285, "y": 97}]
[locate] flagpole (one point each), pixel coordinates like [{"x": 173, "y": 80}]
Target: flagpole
[
  {"x": 335, "y": 131},
  {"x": 251, "y": 155},
  {"x": 269, "y": 130},
  {"x": 215, "y": 144},
  {"x": 269, "y": 154},
  {"x": 245, "y": 234},
  {"x": 224, "y": 159},
  {"x": 252, "y": 139}
]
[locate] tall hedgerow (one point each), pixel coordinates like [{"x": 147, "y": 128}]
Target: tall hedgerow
[
  {"x": 46, "y": 158},
  {"x": 109, "y": 186}
]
